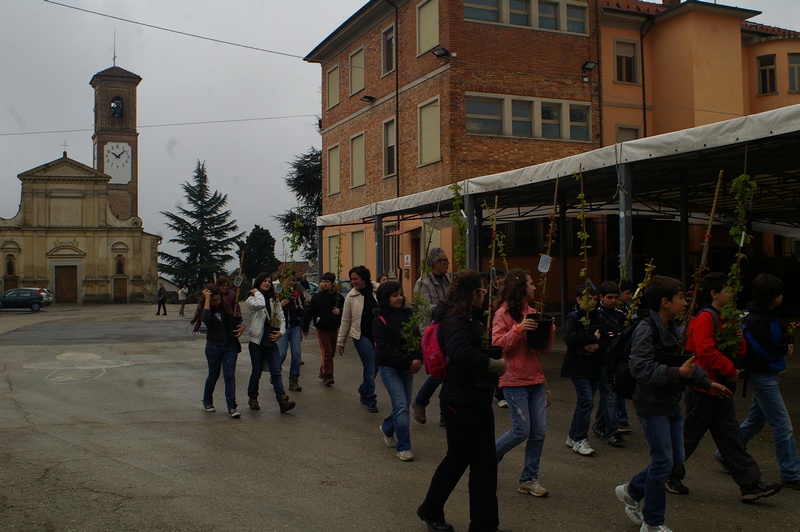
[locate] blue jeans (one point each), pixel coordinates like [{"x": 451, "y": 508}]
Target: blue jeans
[
  {"x": 621, "y": 411},
  {"x": 221, "y": 357},
  {"x": 527, "y": 406},
  {"x": 258, "y": 356},
  {"x": 365, "y": 348},
  {"x": 291, "y": 338},
  {"x": 426, "y": 391},
  {"x": 585, "y": 390},
  {"x": 664, "y": 435},
  {"x": 399, "y": 384},
  {"x": 768, "y": 407},
  {"x": 605, "y": 420}
]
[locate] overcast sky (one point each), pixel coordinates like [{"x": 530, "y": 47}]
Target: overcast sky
[{"x": 48, "y": 54}]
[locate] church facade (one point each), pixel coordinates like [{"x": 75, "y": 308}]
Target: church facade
[{"x": 77, "y": 231}]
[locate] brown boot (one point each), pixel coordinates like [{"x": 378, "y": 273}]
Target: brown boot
[
  {"x": 294, "y": 384},
  {"x": 285, "y": 404},
  {"x": 253, "y": 402}
]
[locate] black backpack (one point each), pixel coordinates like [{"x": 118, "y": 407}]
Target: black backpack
[{"x": 619, "y": 351}]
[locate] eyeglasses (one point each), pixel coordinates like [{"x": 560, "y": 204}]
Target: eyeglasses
[{"x": 443, "y": 260}]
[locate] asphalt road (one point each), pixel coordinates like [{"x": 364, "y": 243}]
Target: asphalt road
[{"x": 101, "y": 428}]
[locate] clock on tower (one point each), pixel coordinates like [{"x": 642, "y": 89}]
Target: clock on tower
[{"x": 116, "y": 145}]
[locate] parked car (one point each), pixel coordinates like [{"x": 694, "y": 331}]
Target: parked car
[
  {"x": 47, "y": 295},
  {"x": 22, "y": 298}
]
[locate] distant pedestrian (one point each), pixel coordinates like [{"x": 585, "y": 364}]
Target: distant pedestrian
[
  {"x": 383, "y": 277},
  {"x": 162, "y": 299},
  {"x": 325, "y": 312},
  {"x": 182, "y": 294}
]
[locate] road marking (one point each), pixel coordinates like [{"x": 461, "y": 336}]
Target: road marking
[{"x": 76, "y": 367}]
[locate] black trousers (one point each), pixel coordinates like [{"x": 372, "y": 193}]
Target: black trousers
[
  {"x": 162, "y": 303},
  {"x": 470, "y": 443},
  {"x": 710, "y": 413}
]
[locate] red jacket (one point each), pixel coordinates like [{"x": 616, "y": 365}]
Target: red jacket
[
  {"x": 702, "y": 343},
  {"x": 524, "y": 367}
]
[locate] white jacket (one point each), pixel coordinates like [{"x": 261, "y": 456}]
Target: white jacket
[
  {"x": 258, "y": 316},
  {"x": 351, "y": 315}
]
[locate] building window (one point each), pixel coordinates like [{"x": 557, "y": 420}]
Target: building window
[
  {"x": 484, "y": 10},
  {"x": 576, "y": 19},
  {"x": 389, "y": 147},
  {"x": 427, "y": 26},
  {"x": 334, "y": 178},
  {"x": 522, "y": 119},
  {"x": 578, "y": 122},
  {"x": 333, "y": 245},
  {"x": 333, "y": 87},
  {"x": 391, "y": 250},
  {"x": 766, "y": 74},
  {"x": 794, "y": 72},
  {"x": 626, "y": 133},
  {"x": 430, "y": 149},
  {"x": 484, "y": 117},
  {"x": 388, "y": 51},
  {"x": 551, "y": 123},
  {"x": 626, "y": 62},
  {"x": 357, "y": 71},
  {"x": 358, "y": 248},
  {"x": 548, "y": 15},
  {"x": 519, "y": 12},
  {"x": 357, "y": 171}
]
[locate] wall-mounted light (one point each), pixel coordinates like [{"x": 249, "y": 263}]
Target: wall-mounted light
[
  {"x": 587, "y": 68},
  {"x": 367, "y": 98},
  {"x": 441, "y": 52}
]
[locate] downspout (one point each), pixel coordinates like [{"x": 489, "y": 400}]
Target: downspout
[
  {"x": 599, "y": 73},
  {"x": 645, "y": 29},
  {"x": 396, "y": 267}
]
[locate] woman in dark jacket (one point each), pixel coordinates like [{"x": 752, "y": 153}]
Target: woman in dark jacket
[
  {"x": 221, "y": 347},
  {"x": 466, "y": 401},
  {"x": 396, "y": 364}
]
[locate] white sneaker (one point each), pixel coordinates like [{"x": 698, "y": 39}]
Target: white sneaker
[
  {"x": 391, "y": 441},
  {"x": 405, "y": 456},
  {"x": 533, "y": 488},
  {"x": 655, "y": 528},
  {"x": 502, "y": 403},
  {"x": 632, "y": 508},
  {"x": 570, "y": 442},
  {"x": 583, "y": 448}
]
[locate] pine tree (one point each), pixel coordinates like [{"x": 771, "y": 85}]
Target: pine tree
[
  {"x": 305, "y": 180},
  {"x": 203, "y": 231},
  {"x": 259, "y": 253}
]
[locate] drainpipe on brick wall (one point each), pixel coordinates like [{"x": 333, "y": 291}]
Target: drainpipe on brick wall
[
  {"x": 645, "y": 29},
  {"x": 396, "y": 267},
  {"x": 599, "y": 72}
]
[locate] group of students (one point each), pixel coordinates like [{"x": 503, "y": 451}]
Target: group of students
[{"x": 373, "y": 314}]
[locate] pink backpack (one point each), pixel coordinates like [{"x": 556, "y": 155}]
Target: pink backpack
[{"x": 432, "y": 356}]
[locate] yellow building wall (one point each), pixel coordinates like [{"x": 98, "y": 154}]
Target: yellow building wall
[{"x": 756, "y": 103}]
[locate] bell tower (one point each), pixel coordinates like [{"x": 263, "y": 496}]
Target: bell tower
[{"x": 116, "y": 145}]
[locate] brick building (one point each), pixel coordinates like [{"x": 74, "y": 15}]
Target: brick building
[{"x": 420, "y": 95}]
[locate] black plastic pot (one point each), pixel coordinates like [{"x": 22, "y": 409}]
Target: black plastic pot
[{"x": 538, "y": 338}]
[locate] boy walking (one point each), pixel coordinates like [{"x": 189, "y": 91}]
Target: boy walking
[
  {"x": 705, "y": 412},
  {"x": 768, "y": 345},
  {"x": 611, "y": 321},
  {"x": 659, "y": 384},
  {"x": 325, "y": 310}
]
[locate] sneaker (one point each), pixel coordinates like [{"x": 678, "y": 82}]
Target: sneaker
[
  {"x": 533, "y": 487},
  {"x": 437, "y": 526},
  {"x": 294, "y": 384},
  {"x": 654, "y": 528},
  {"x": 442, "y": 422},
  {"x": 405, "y": 456},
  {"x": 624, "y": 427},
  {"x": 674, "y": 485},
  {"x": 632, "y": 508},
  {"x": 419, "y": 413},
  {"x": 391, "y": 441},
  {"x": 721, "y": 462},
  {"x": 372, "y": 408},
  {"x": 616, "y": 440},
  {"x": 597, "y": 433},
  {"x": 209, "y": 408},
  {"x": 583, "y": 448},
  {"x": 758, "y": 490},
  {"x": 791, "y": 484},
  {"x": 327, "y": 380},
  {"x": 234, "y": 413},
  {"x": 570, "y": 442},
  {"x": 502, "y": 403}
]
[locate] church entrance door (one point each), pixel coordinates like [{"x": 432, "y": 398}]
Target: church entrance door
[
  {"x": 120, "y": 290},
  {"x": 66, "y": 284}
]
